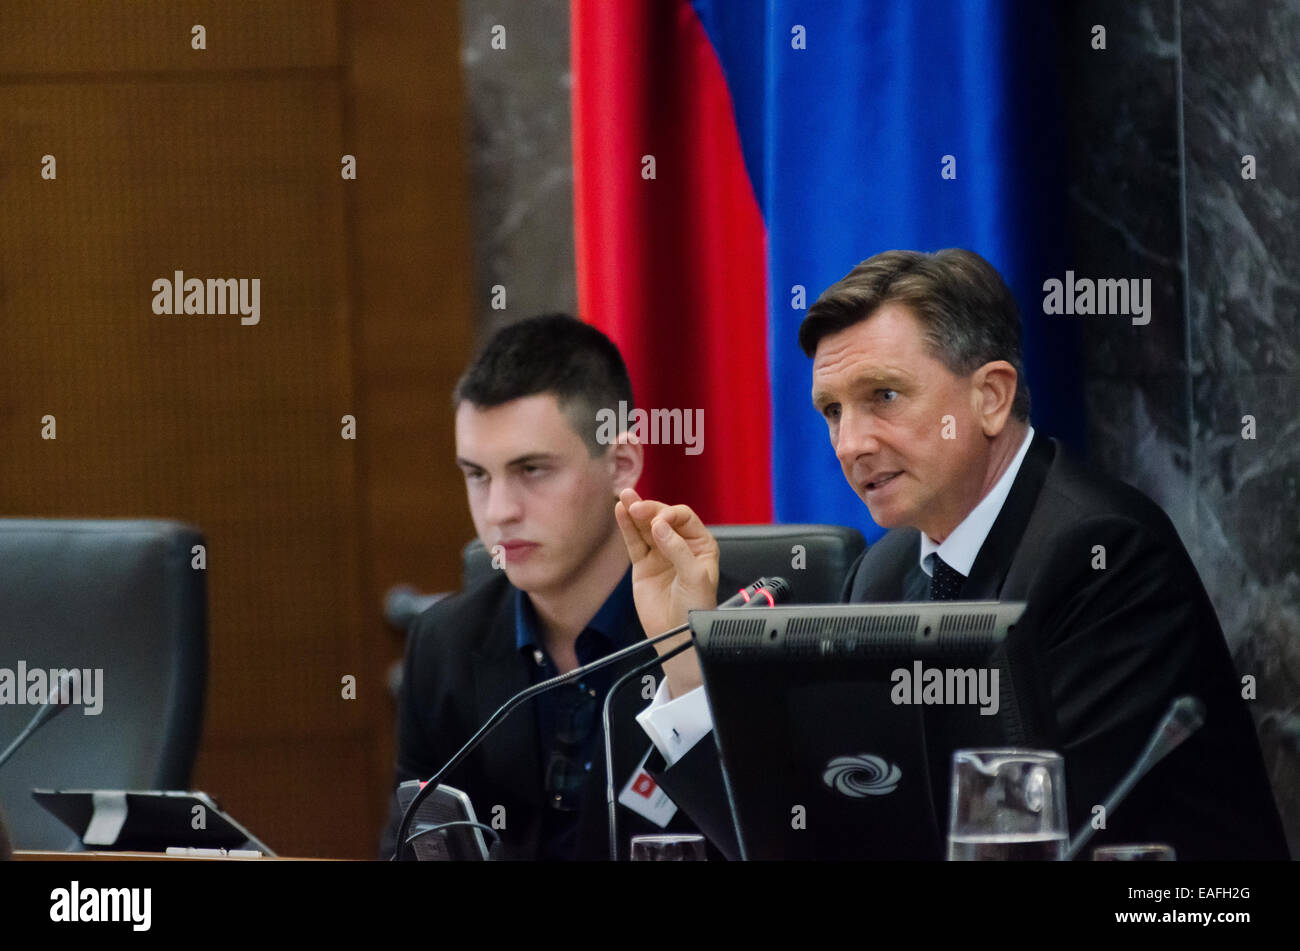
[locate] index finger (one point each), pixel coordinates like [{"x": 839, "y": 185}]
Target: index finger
[
  {"x": 635, "y": 541},
  {"x": 640, "y": 521}
]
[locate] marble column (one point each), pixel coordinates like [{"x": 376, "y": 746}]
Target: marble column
[
  {"x": 1241, "y": 88},
  {"x": 515, "y": 55},
  {"x": 1200, "y": 408}
]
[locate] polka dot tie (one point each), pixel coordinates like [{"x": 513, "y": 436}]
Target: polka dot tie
[{"x": 945, "y": 582}]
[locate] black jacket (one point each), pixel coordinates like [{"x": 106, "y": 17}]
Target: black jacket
[
  {"x": 462, "y": 663},
  {"x": 1107, "y": 651}
]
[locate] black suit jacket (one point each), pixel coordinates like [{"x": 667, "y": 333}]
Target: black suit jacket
[
  {"x": 1102, "y": 653},
  {"x": 462, "y": 663}
]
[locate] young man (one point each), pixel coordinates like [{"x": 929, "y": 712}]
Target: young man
[
  {"x": 541, "y": 491},
  {"x": 917, "y": 372}
]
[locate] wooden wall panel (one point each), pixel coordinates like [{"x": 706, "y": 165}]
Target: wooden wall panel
[
  {"x": 410, "y": 257},
  {"x": 41, "y": 38},
  {"x": 225, "y": 163}
]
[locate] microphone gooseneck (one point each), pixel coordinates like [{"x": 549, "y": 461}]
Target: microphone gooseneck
[
  {"x": 1184, "y": 717},
  {"x": 58, "y": 701}
]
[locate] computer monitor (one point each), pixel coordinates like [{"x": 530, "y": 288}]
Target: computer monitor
[{"x": 826, "y": 719}]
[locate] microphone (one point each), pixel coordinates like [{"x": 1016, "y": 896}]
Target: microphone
[
  {"x": 770, "y": 585},
  {"x": 774, "y": 590},
  {"x": 766, "y": 591},
  {"x": 1186, "y": 715},
  {"x": 58, "y": 701}
]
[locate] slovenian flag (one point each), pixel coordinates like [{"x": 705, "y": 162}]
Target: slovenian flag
[{"x": 733, "y": 158}]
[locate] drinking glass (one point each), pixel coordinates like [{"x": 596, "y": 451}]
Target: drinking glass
[
  {"x": 1008, "y": 805},
  {"x": 668, "y": 848}
]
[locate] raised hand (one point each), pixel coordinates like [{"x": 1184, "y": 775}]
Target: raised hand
[{"x": 674, "y": 570}]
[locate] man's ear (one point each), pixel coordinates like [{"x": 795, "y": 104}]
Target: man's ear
[
  {"x": 993, "y": 391},
  {"x": 627, "y": 459}
]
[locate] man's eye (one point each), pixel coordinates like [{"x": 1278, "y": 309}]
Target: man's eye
[
  {"x": 533, "y": 470},
  {"x": 832, "y": 412},
  {"x": 477, "y": 475},
  {"x": 887, "y": 396}
]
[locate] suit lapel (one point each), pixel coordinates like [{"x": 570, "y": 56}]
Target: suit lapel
[
  {"x": 916, "y": 583},
  {"x": 499, "y": 674},
  {"x": 888, "y": 569},
  {"x": 1004, "y": 539}
]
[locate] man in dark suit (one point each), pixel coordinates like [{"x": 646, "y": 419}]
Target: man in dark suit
[
  {"x": 541, "y": 485},
  {"x": 917, "y": 371}
]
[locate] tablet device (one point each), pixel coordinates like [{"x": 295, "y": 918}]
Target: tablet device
[{"x": 114, "y": 820}]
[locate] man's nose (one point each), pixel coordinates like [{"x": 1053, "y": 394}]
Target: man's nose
[
  {"x": 503, "y": 504},
  {"x": 856, "y": 436}
]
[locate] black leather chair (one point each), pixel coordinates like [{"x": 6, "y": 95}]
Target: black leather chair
[
  {"x": 815, "y": 559},
  {"x": 120, "y": 595}
]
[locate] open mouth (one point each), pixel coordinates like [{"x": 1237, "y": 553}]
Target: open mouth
[{"x": 882, "y": 481}]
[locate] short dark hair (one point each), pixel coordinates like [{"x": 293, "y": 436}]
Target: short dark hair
[
  {"x": 968, "y": 313},
  {"x": 550, "y": 353}
]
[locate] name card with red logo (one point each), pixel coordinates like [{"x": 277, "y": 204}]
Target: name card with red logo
[{"x": 644, "y": 797}]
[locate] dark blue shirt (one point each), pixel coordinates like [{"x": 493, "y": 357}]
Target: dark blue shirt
[{"x": 614, "y": 626}]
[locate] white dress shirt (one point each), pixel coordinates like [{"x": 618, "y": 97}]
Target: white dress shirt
[{"x": 675, "y": 725}]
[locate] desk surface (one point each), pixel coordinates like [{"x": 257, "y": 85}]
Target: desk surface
[{"x": 29, "y": 855}]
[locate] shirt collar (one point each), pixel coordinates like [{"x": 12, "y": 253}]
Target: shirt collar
[
  {"x": 963, "y": 543},
  {"x": 611, "y": 620}
]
